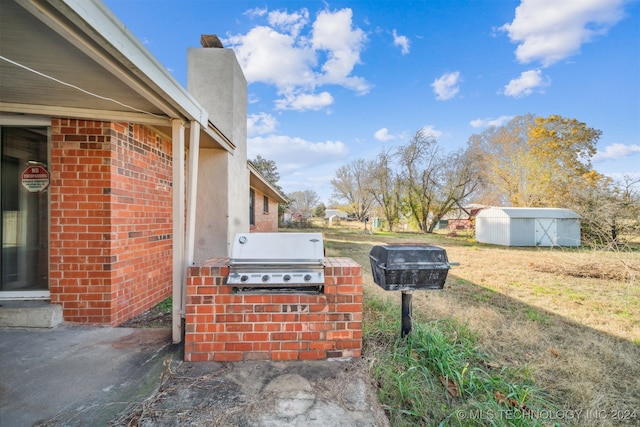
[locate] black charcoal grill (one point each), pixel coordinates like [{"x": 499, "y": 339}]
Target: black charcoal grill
[
  {"x": 277, "y": 261},
  {"x": 407, "y": 268}
]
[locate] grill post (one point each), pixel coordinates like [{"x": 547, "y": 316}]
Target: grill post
[{"x": 406, "y": 313}]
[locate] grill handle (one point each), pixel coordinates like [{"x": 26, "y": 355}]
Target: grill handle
[{"x": 271, "y": 262}]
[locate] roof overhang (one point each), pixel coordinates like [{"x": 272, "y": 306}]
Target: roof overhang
[
  {"x": 260, "y": 183},
  {"x": 75, "y": 58}
]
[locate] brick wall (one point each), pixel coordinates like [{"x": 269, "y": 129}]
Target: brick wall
[
  {"x": 265, "y": 221},
  {"x": 226, "y": 326},
  {"x": 111, "y": 220}
]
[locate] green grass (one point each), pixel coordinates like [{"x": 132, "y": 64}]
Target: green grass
[
  {"x": 165, "y": 305},
  {"x": 438, "y": 374}
]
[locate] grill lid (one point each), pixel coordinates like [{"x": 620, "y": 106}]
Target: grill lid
[
  {"x": 277, "y": 248},
  {"x": 277, "y": 259},
  {"x": 409, "y": 266}
]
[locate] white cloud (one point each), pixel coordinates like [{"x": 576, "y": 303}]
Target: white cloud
[
  {"x": 304, "y": 101},
  {"x": 256, "y": 12},
  {"x": 268, "y": 56},
  {"x": 261, "y": 124},
  {"x": 446, "y": 86},
  {"x": 299, "y": 56},
  {"x": 333, "y": 34},
  {"x": 383, "y": 135},
  {"x": 526, "y": 84},
  {"x": 484, "y": 123},
  {"x": 291, "y": 154},
  {"x": 291, "y": 23},
  {"x": 401, "y": 41},
  {"x": 550, "y": 30},
  {"x": 616, "y": 151},
  {"x": 430, "y": 130}
]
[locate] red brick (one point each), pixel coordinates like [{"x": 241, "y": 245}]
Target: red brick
[
  {"x": 284, "y": 355},
  {"x": 238, "y": 346},
  {"x": 257, "y": 355},
  {"x": 239, "y": 327},
  {"x": 322, "y": 345},
  {"x": 228, "y": 357},
  {"x": 313, "y": 355},
  {"x": 255, "y": 336}
]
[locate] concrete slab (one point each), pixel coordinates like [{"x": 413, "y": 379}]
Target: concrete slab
[
  {"x": 78, "y": 376},
  {"x": 92, "y": 376}
]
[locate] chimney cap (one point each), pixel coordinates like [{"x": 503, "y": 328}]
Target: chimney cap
[{"x": 210, "y": 40}]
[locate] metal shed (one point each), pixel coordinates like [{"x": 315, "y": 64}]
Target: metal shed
[{"x": 528, "y": 227}]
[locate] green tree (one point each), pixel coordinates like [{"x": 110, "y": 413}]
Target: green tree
[
  {"x": 268, "y": 170},
  {"x": 319, "y": 210}
]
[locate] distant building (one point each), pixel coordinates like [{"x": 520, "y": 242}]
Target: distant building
[
  {"x": 328, "y": 213},
  {"x": 460, "y": 218},
  {"x": 528, "y": 227}
]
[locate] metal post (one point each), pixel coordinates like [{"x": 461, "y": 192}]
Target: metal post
[{"x": 406, "y": 313}]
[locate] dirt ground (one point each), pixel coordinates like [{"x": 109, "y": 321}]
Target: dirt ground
[{"x": 263, "y": 393}]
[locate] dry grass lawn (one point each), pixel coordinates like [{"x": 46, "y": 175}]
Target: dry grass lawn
[{"x": 572, "y": 316}]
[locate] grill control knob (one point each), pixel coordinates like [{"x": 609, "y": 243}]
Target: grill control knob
[
  {"x": 244, "y": 278},
  {"x": 265, "y": 278},
  {"x": 286, "y": 277},
  {"x": 307, "y": 277}
]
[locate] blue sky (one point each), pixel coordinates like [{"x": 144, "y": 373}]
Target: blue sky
[{"x": 335, "y": 81}]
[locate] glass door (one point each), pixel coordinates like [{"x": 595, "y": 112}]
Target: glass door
[{"x": 25, "y": 213}]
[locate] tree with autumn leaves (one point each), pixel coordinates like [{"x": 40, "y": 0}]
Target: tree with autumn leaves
[
  {"x": 535, "y": 161},
  {"x": 546, "y": 162}
]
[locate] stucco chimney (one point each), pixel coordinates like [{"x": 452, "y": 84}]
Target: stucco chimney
[{"x": 215, "y": 79}]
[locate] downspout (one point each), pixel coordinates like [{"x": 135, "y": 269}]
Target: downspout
[
  {"x": 179, "y": 273},
  {"x": 192, "y": 191}
]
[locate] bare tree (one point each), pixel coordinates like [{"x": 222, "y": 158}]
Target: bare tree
[
  {"x": 459, "y": 178},
  {"x": 385, "y": 188},
  {"x": 303, "y": 202},
  {"x": 610, "y": 212},
  {"x": 352, "y": 184},
  {"x": 420, "y": 165}
]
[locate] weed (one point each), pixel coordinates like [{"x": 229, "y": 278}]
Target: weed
[
  {"x": 537, "y": 316},
  {"x": 439, "y": 372},
  {"x": 165, "y": 305}
]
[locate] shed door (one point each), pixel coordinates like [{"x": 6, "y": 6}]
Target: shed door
[{"x": 546, "y": 232}]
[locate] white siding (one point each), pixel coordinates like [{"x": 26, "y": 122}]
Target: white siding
[{"x": 517, "y": 227}]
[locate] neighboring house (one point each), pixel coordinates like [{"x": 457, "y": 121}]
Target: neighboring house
[
  {"x": 528, "y": 227},
  {"x": 460, "y": 218},
  {"x": 115, "y": 178},
  {"x": 263, "y": 202}
]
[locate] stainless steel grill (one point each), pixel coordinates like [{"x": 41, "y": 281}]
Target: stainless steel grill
[{"x": 277, "y": 260}]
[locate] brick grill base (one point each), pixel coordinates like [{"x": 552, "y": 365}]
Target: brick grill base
[{"x": 224, "y": 326}]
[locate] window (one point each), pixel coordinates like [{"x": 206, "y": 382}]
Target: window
[
  {"x": 252, "y": 216},
  {"x": 265, "y": 204}
]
